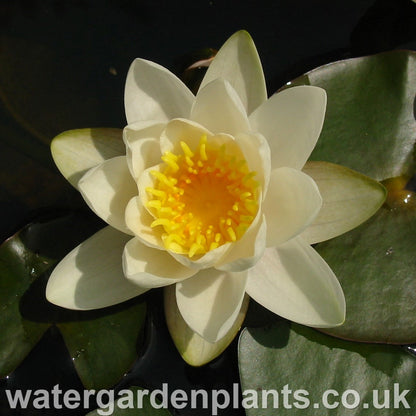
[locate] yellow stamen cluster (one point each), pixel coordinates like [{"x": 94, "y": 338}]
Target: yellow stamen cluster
[{"x": 202, "y": 198}]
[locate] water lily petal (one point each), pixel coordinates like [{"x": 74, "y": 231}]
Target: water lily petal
[
  {"x": 139, "y": 221},
  {"x": 291, "y": 121},
  {"x": 181, "y": 129},
  {"x": 76, "y": 151},
  {"x": 210, "y": 302},
  {"x": 191, "y": 132},
  {"x": 256, "y": 151},
  {"x": 291, "y": 204},
  {"x": 107, "y": 189},
  {"x": 147, "y": 180},
  {"x": 194, "y": 349},
  {"x": 294, "y": 281},
  {"x": 349, "y": 199},
  {"x": 238, "y": 62},
  {"x": 91, "y": 275},
  {"x": 150, "y": 268},
  {"x": 247, "y": 251},
  {"x": 209, "y": 259},
  {"x": 142, "y": 145},
  {"x": 153, "y": 93},
  {"x": 219, "y": 108}
]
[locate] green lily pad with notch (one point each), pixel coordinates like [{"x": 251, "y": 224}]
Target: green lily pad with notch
[
  {"x": 370, "y": 127},
  {"x": 131, "y": 405},
  {"x": 102, "y": 344},
  {"x": 283, "y": 361}
]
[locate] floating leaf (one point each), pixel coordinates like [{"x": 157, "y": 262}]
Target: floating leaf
[
  {"x": 26, "y": 260},
  {"x": 104, "y": 348},
  {"x": 370, "y": 122},
  {"x": 19, "y": 267},
  {"x": 376, "y": 267},
  {"x": 370, "y": 127},
  {"x": 299, "y": 371}
]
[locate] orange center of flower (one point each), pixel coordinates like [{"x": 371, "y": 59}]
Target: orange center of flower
[{"x": 203, "y": 198}]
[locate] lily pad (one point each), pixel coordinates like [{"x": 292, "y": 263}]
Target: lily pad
[
  {"x": 370, "y": 127},
  {"x": 370, "y": 120},
  {"x": 377, "y": 272},
  {"x": 279, "y": 375},
  {"x": 19, "y": 267},
  {"x": 104, "y": 347},
  {"x": 26, "y": 260}
]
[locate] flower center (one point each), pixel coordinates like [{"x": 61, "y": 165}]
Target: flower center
[{"x": 203, "y": 198}]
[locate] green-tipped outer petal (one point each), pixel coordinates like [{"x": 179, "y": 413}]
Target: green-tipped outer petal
[
  {"x": 194, "y": 349},
  {"x": 153, "y": 93},
  {"x": 76, "y": 151},
  {"x": 295, "y": 282},
  {"x": 238, "y": 62},
  {"x": 107, "y": 189},
  {"x": 91, "y": 275},
  {"x": 349, "y": 199}
]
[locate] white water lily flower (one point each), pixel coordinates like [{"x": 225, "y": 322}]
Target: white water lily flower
[{"x": 210, "y": 197}]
